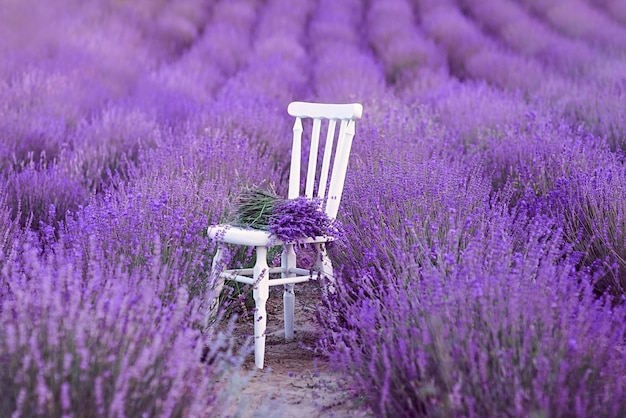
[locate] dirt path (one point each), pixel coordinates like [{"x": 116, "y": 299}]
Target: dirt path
[{"x": 296, "y": 381}]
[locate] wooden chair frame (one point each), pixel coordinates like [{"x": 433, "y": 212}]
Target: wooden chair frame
[{"x": 328, "y": 187}]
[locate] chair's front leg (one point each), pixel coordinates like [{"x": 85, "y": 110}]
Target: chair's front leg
[
  {"x": 216, "y": 283},
  {"x": 260, "y": 293},
  {"x": 288, "y": 261},
  {"x": 324, "y": 266}
]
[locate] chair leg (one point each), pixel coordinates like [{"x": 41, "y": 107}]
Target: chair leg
[
  {"x": 324, "y": 266},
  {"x": 216, "y": 282},
  {"x": 261, "y": 294},
  {"x": 288, "y": 260}
]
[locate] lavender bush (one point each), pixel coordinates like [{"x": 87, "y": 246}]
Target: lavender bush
[
  {"x": 498, "y": 334},
  {"x": 481, "y": 271},
  {"x": 42, "y": 193},
  {"x": 472, "y": 311},
  {"x": 82, "y": 335}
]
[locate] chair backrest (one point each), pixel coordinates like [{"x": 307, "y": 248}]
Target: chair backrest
[{"x": 329, "y": 114}]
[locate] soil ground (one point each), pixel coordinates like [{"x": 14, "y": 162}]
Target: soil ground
[{"x": 296, "y": 381}]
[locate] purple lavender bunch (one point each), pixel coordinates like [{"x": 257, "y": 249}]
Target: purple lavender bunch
[
  {"x": 294, "y": 219},
  {"x": 289, "y": 220}
]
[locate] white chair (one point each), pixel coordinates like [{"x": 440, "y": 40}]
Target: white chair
[{"x": 328, "y": 188}]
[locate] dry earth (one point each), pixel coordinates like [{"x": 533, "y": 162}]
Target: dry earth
[{"x": 296, "y": 381}]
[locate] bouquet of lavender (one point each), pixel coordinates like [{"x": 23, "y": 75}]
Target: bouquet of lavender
[
  {"x": 253, "y": 208},
  {"x": 298, "y": 218},
  {"x": 289, "y": 220}
]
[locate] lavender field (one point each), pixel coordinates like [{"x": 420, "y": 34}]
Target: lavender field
[{"x": 482, "y": 271}]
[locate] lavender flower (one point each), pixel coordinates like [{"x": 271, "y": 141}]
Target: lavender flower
[{"x": 294, "y": 219}]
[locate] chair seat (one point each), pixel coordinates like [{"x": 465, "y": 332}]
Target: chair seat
[{"x": 230, "y": 234}]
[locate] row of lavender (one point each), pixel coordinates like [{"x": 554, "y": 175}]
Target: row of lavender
[
  {"x": 101, "y": 306},
  {"x": 478, "y": 238},
  {"x": 484, "y": 204}
]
